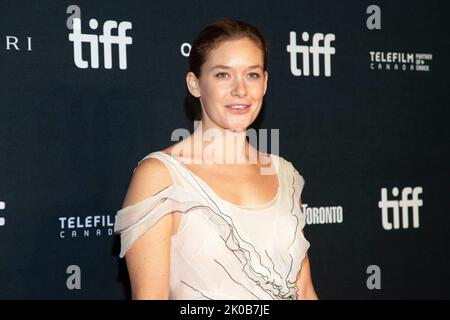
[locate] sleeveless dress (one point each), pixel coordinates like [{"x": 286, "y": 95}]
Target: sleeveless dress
[{"x": 223, "y": 251}]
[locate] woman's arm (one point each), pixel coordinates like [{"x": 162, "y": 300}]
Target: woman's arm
[
  {"x": 304, "y": 282},
  {"x": 148, "y": 259}
]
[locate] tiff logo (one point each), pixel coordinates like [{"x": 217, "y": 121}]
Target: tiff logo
[
  {"x": 316, "y": 50},
  {"x": 2, "y": 219},
  {"x": 405, "y": 203},
  {"x": 107, "y": 39}
]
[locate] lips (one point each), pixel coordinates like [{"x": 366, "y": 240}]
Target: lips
[{"x": 238, "y": 108}]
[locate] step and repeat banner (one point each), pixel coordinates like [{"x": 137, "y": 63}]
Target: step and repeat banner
[{"x": 357, "y": 101}]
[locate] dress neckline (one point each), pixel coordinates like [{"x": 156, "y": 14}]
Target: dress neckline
[{"x": 249, "y": 208}]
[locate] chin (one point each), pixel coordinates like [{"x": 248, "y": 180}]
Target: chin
[
  {"x": 241, "y": 126},
  {"x": 237, "y": 129}
]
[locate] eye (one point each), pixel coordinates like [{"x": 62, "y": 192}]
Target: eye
[
  {"x": 254, "y": 75},
  {"x": 221, "y": 75}
]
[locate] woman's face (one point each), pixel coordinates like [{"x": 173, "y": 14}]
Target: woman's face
[{"x": 232, "y": 84}]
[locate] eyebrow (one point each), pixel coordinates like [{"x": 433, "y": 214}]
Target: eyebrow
[{"x": 221, "y": 66}]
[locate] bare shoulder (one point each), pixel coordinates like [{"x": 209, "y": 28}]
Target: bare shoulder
[
  {"x": 148, "y": 259},
  {"x": 150, "y": 177},
  {"x": 281, "y": 159},
  {"x": 288, "y": 163}
]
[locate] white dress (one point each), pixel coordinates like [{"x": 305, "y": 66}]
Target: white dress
[{"x": 223, "y": 251}]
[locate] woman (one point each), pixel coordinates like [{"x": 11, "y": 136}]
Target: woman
[{"x": 195, "y": 225}]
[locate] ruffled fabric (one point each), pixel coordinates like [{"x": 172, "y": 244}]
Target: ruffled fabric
[
  {"x": 210, "y": 256},
  {"x": 133, "y": 221}
]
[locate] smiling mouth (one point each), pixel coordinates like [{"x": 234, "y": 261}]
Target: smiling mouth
[{"x": 238, "y": 108}]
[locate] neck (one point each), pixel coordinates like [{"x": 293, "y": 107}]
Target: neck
[{"x": 216, "y": 145}]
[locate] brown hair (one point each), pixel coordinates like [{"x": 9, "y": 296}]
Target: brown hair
[
  {"x": 209, "y": 38},
  {"x": 212, "y": 35}
]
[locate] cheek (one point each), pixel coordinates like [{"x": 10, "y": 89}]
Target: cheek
[
  {"x": 257, "y": 91},
  {"x": 214, "y": 94}
]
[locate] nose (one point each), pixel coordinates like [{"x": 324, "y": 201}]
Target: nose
[{"x": 239, "y": 88}]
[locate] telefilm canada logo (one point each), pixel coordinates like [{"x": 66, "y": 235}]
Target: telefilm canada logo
[
  {"x": 400, "y": 61},
  {"x": 87, "y": 226},
  {"x": 114, "y": 36}
]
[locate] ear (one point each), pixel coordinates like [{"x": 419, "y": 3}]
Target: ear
[
  {"x": 266, "y": 77},
  {"x": 192, "y": 84}
]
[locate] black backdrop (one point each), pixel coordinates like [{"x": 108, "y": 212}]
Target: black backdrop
[{"x": 71, "y": 137}]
